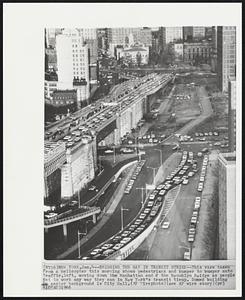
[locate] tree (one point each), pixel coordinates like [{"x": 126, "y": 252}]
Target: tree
[
  {"x": 167, "y": 55},
  {"x": 139, "y": 59}
]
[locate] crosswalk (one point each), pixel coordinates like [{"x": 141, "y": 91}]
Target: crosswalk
[{"x": 169, "y": 201}]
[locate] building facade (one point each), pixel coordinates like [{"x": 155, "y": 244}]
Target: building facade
[
  {"x": 171, "y": 34},
  {"x": 50, "y": 85},
  {"x": 132, "y": 54},
  {"x": 232, "y": 114},
  {"x": 64, "y": 97},
  {"x": 79, "y": 168},
  {"x": 198, "y": 32},
  {"x": 192, "y": 51},
  {"x": 214, "y": 49},
  {"x": 54, "y": 158},
  {"x": 120, "y": 36},
  {"x": 227, "y": 206},
  {"x": 179, "y": 50},
  {"x": 73, "y": 62},
  {"x": 226, "y": 55},
  {"x": 187, "y": 33}
]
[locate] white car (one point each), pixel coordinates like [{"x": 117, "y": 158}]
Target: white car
[
  {"x": 185, "y": 181},
  {"x": 117, "y": 246},
  {"x": 187, "y": 255},
  {"x": 165, "y": 225},
  {"x": 108, "y": 151},
  {"x": 191, "y": 238},
  {"x": 106, "y": 246},
  {"x": 162, "y": 192},
  {"x": 50, "y": 215},
  {"x": 192, "y": 231}
]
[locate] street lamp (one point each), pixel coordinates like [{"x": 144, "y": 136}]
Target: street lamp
[
  {"x": 160, "y": 150},
  {"x": 100, "y": 156},
  {"x": 114, "y": 153},
  {"x": 122, "y": 209},
  {"x": 79, "y": 242},
  {"x": 79, "y": 200},
  {"x": 154, "y": 173},
  {"x": 83, "y": 234}
]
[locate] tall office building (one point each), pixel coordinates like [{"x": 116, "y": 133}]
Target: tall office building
[
  {"x": 209, "y": 33},
  {"x": 214, "y": 49},
  {"x": 73, "y": 63},
  {"x": 198, "y": 32},
  {"x": 227, "y": 206},
  {"x": 226, "y": 55},
  {"x": 171, "y": 34},
  {"x": 187, "y": 33},
  {"x": 232, "y": 114}
]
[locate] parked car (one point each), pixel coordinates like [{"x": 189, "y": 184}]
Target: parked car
[{"x": 165, "y": 225}]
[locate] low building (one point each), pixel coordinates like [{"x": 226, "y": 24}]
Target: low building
[
  {"x": 227, "y": 206},
  {"x": 62, "y": 98},
  {"x": 179, "y": 50},
  {"x": 193, "y": 51},
  {"x": 50, "y": 85},
  {"x": 51, "y": 59},
  {"x": 135, "y": 54}
]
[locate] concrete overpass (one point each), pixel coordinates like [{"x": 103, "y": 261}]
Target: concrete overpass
[
  {"x": 71, "y": 216},
  {"x": 115, "y": 116}
]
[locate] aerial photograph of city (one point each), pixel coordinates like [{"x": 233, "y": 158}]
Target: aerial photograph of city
[{"x": 140, "y": 143}]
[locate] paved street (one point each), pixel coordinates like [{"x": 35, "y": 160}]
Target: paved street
[
  {"x": 179, "y": 203},
  {"x": 169, "y": 244},
  {"x": 131, "y": 202}
]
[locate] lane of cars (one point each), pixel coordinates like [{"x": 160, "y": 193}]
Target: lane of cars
[
  {"x": 82, "y": 131},
  {"x": 147, "y": 214},
  {"x": 197, "y": 202},
  {"x": 134, "y": 177}
]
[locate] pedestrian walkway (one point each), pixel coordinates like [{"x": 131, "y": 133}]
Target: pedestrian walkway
[
  {"x": 169, "y": 202},
  {"x": 203, "y": 247}
]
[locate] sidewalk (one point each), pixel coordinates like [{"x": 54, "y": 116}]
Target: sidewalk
[{"x": 204, "y": 246}]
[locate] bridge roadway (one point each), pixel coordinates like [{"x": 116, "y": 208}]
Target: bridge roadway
[
  {"x": 143, "y": 89},
  {"x": 72, "y": 216},
  {"x": 82, "y": 113}
]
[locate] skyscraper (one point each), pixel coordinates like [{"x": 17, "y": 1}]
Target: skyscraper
[
  {"x": 73, "y": 63},
  {"x": 187, "y": 33},
  {"x": 232, "y": 114},
  {"x": 226, "y": 55},
  {"x": 198, "y": 32},
  {"x": 171, "y": 34},
  {"x": 227, "y": 205}
]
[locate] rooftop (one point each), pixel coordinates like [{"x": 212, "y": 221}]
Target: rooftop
[
  {"x": 228, "y": 158},
  {"x": 135, "y": 49}
]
